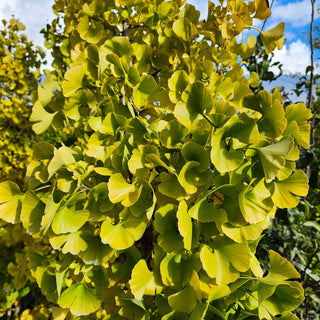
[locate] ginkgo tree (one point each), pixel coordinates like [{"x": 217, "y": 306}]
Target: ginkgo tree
[{"x": 156, "y": 210}]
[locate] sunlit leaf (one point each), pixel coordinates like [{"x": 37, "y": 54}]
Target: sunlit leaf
[
  {"x": 142, "y": 281},
  {"x": 284, "y": 191},
  {"x": 272, "y": 157},
  {"x": 80, "y": 299},
  {"x": 123, "y": 234},
  {"x": 10, "y": 201}
]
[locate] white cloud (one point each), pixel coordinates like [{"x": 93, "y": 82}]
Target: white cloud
[
  {"x": 35, "y": 14},
  {"x": 294, "y": 57},
  {"x": 297, "y": 13}
]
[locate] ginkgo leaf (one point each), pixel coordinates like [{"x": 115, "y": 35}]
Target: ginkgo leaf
[
  {"x": 96, "y": 253},
  {"x": 91, "y": 32},
  {"x": 165, "y": 223},
  {"x": 272, "y": 157},
  {"x": 273, "y": 38},
  {"x": 123, "y": 234},
  {"x": 121, "y": 191},
  {"x": 283, "y": 191},
  {"x": 73, "y": 80},
  {"x": 186, "y": 179},
  {"x": 145, "y": 90},
  {"x": 32, "y": 212},
  {"x": 45, "y": 91},
  {"x": 269, "y": 106},
  {"x": 199, "y": 99},
  {"x": 80, "y": 299},
  {"x": 177, "y": 83},
  {"x": 256, "y": 203},
  {"x": 74, "y": 244},
  {"x": 216, "y": 266},
  {"x": 120, "y": 46},
  {"x": 223, "y": 155},
  {"x": 246, "y": 49},
  {"x": 192, "y": 151},
  {"x": 46, "y": 280},
  {"x": 262, "y": 9},
  {"x": 134, "y": 307},
  {"x": 184, "y": 300},
  {"x": 204, "y": 211},
  {"x": 298, "y": 125},
  {"x": 142, "y": 281},
  {"x": 246, "y": 232},
  {"x": 176, "y": 271},
  {"x": 185, "y": 224},
  {"x": 42, "y": 118},
  {"x": 276, "y": 293},
  {"x": 184, "y": 29},
  {"x": 171, "y": 187},
  {"x": 10, "y": 201},
  {"x": 237, "y": 254},
  {"x": 69, "y": 220}
]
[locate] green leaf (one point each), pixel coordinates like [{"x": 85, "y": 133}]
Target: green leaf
[
  {"x": 46, "y": 281},
  {"x": 10, "y": 202},
  {"x": 270, "y": 125},
  {"x": 204, "y": 211},
  {"x": 244, "y": 233},
  {"x": 73, "y": 80},
  {"x": 273, "y": 157},
  {"x": 185, "y": 224},
  {"x": 223, "y": 154},
  {"x": 165, "y": 223},
  {"x": 216, "y": 266},
  {"x": 133, "y": 309},
  {"x": 184, "y": 29},
  {"x": 80, "y": 299},
  {"x": 142, "y": 281},
  {"x": 45, "y": 91},
  {"x": 273, "y": 38},
  {"x": 283, "y": 191},
  {"x": 121, "y": 191},
  {"x": 74, "y": 244},
  {"x": 42, "y": 118},
  {"x": 177, "y": 83},
  {"x": 175, "y": 315},
  {"x": 123, "y": 234},
  {"x": 184, "y": 300},
  {"x": 145, "y": 90},
  {"x": 171, "y": 187},
  {"x": 312, "y": 224},
  {"x": 91, "y": 32},
  {"x": 256, "y": 203},
  {"x": 69, "y": 220},
  {"x": 32, "y": 212},
  {"x": 298, "y": 125},
  {"x": 119, "y": 46},
  {"x": 176, "y": 271},
  {"x": 192, "y": 151},
  {"x": 96, "y": 253},
  {"x": 199, "y": 99}
]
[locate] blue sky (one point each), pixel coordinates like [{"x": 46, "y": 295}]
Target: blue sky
[{"x": 295, "y": 55}]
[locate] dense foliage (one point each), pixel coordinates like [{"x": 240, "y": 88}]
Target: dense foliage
[
  {"x": 19, "y": 72},
  {"x": 156, "y": 206}
]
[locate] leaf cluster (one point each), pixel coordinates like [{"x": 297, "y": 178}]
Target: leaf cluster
[{"x": 157, "y": 206}]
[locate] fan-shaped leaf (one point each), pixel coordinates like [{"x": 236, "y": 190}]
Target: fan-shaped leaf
[
  {"x": 10, "y": 201},
  {"x": 80, "y": 299},
  {"x": 272, "y": 157}
]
